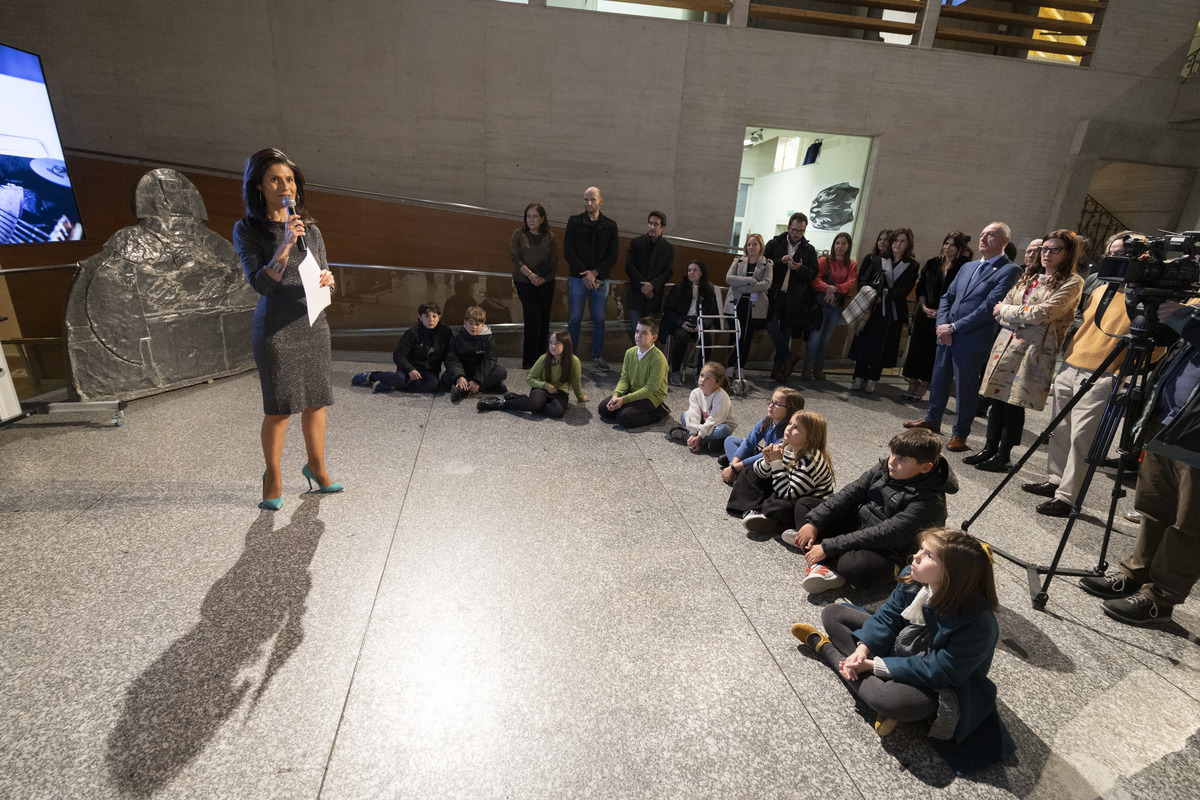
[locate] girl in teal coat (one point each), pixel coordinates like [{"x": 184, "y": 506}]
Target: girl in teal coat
[{"x": 925, "y": 654}]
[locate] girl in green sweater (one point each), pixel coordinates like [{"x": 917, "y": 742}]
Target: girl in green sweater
[{"x": 550, "y": 391}]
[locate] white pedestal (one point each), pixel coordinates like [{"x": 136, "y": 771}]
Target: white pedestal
[{"x": 9, "y": 405}]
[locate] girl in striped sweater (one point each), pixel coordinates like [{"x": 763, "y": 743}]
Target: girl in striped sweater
[{"x": 791, "y": 478}]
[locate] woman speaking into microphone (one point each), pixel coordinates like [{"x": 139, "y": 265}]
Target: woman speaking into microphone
[{"x": 293, "y": 357}]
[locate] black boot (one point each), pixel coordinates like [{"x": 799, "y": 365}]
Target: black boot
[
  {"x": 988, "y": 451},
  {"x": 489, "y": 404},
  {"x": 997, "y": 463}
]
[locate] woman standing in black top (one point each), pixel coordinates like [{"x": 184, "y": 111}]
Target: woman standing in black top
[
  {"x": 922, "y": 336},
  {"x": 293, "y": 356},
  {"x": 534, "y": 253},
  {"x": 893, "y": 277}
]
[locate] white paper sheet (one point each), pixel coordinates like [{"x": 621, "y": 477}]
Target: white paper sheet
[{"x": 317, "y": 296}]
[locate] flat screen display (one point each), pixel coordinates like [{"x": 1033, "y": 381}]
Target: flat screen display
[{"x": 37, "y": 203}]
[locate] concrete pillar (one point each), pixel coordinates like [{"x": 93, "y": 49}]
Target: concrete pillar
[
  {"x": 929, "y": 22},
  {"x": 739, "y": 14}
]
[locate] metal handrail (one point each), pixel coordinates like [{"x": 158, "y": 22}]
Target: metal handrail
[
  {"x": 45, "y": 268},
  {"x": 346, "y": 190}
]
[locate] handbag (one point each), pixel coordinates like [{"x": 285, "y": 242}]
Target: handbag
[
  {"x": 858, "y": 310},
  {"x": 812, "y": 316}
]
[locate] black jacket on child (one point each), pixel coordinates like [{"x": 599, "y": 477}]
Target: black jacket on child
[
  {"x": 890, "y": 512},
  {"x": 470, "y": 357},
  {"x": 422, "y": 349}
]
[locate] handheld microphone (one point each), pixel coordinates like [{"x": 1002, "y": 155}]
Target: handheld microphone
[{"x": 290, "y": 204}]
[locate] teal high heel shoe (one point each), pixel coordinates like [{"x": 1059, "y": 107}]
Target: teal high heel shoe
[
  {"x": 273, "y": 504},
  {"x": 330, "y": 489}
]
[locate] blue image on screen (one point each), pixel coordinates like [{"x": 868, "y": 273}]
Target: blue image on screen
[{"x": 37, "y": 203}]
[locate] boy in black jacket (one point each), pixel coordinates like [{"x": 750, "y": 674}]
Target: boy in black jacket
[
  {"x": 470, "y": 361},
  {"x": 863, "y": 532},
  {"x": 418, "y": 356}
]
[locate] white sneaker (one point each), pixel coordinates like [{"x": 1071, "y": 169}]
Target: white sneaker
[
  {"x": 790, "y": 536},
  {"x": 757, "y": 522},
  {"x": 869, "y": 386},
  {"x": 820, "y": 579},
  {"x": 856, "y": 384}
]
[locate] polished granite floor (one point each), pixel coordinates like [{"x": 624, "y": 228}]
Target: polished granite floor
[{"x": 504, "y": 607}]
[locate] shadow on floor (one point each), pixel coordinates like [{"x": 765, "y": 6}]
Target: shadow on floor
[{"x": 250, "y": 624}]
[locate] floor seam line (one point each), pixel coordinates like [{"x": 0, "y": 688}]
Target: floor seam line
[
  {"x": 833, "y": 750},
  {"x": 374, "y": 600}
]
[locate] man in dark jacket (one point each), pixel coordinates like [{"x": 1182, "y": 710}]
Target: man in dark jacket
[
  {"x": 419, "y": 355},
  {"x": 470, "y": 360},
  {"x": 649, "y": 263},
  {"x": 795, "y": 266},
  {"x": 864, "y": 532},
  {"x": 590, "y": 248},
  {"x": 1165, "y": 563}
]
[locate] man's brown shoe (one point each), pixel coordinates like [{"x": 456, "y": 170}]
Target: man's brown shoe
[
  {"x": 920, "y": 423},
  {"x": 957, "y": 445}
]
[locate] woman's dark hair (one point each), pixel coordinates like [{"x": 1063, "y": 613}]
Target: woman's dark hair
[
  {"x": 875, "y": 244},
  {"x": 966, "y": 567},
  {"x": 896, "y": 234},
  {"x": 256, "y": 167},
  {"x": 1070, "y": 262},
  {"x": 564, "y": 361},
  {"x": 541, "y": 212},
  {"x": 849, "y": 248},
  {"x": 960, "y": 241}
]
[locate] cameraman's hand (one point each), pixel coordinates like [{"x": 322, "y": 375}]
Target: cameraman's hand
[{"x": 1167, "y": 308}]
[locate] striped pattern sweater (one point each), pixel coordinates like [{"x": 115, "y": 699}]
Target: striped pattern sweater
[{"x": 796, "y": 475}]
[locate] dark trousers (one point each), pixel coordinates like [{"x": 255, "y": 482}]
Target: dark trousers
[
  {"x": 492, "y": 382},
  {"x": 1167, "y": 552},
  {"x": 876, "y": 347},
  {"x": 535, "y": 310},
  {"x": 860, "y": 568},
  {"x": 540, "y": 401},
  {"x": 680, "y": 340},
  {"x": 898, "y": 701},
  {"x": 428, "y": 382},
  {"x": 961, "y": 366},
  {"x": 1006, "y": 423},
  {"x": 630, "y": 415},
  {"x": 753, "y": 493}
]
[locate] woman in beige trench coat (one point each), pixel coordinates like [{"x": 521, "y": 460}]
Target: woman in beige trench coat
[{"x": 1034, "y": 317}]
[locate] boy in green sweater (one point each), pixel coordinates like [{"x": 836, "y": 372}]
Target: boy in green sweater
[{"x": 642, "y": 389}]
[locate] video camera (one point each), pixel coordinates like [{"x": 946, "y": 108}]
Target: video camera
[{"x": 1163, "y": 268}]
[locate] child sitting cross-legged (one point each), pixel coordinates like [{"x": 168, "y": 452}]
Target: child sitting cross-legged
[
  {"x": 551, "y": 379},
  {"x": 868, "y": 529},
  {"x": 418, "y": 356},
  {"x": 470, "y": 360},
  {"x": 740, "y": 453},
  {"x": 926, "y": 652},
  {"x": 709, "y": 418},
  {"x": 788, "y": 481}
]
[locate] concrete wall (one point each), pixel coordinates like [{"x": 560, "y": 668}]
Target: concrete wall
[{"x": 497, "y": 104}]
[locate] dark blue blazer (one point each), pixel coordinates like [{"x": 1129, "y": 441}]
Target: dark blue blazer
[{"x": 970, "y": 298}]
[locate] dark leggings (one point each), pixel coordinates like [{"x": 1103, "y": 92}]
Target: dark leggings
[
  {"x": 400, "y": 381},
  {"x": 679, "y": 345},
  {"x": 1006, "y": 423},
  {"x": 630, "y": 415},
  {"x": 891, "y": 699},
  {"x": 540, "y": 401}
]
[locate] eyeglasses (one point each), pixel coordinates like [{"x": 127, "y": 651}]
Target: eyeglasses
[
  {"x": 1052, "y": 250},
  {"x": 775, "y": 404}
]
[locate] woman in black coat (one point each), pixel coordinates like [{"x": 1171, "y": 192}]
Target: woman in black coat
[
  {"x": 893, "y": 276},
  {"x": 685, "y": 302}
]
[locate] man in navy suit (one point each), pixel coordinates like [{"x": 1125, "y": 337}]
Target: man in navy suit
[{"x": 965, "y": 332}]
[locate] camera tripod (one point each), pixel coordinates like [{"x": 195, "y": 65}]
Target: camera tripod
[{"x": 1123, "y": 404}]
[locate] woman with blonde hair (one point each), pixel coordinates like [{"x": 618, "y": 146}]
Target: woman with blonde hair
[{"x": 749, "y": 278}]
